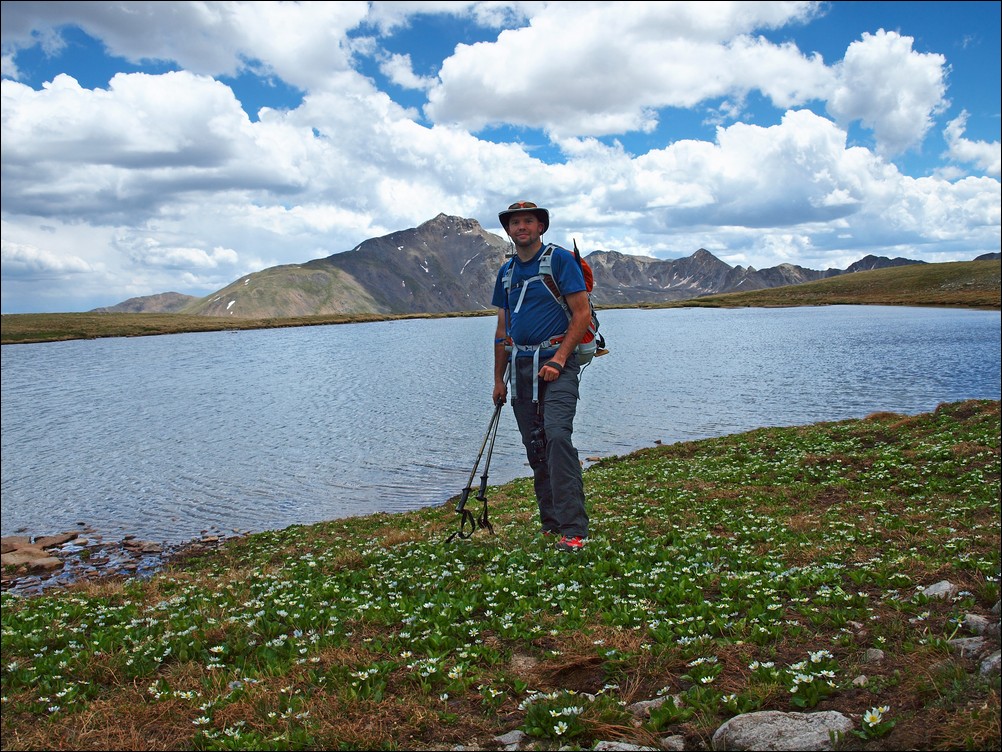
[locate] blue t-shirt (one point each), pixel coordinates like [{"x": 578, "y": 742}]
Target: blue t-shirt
[{"x": 540, "y": 316}]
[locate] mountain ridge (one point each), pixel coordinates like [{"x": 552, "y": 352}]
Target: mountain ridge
[{"x": 448, "y": 264}]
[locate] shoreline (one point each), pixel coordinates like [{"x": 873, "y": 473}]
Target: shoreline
[{"x": 33, "y": 564}]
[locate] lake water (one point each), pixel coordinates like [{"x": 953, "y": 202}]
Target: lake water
[{"x": 171, "y": 436}]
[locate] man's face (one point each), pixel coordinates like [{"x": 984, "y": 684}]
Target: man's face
[{"x": 525, "y": 229}]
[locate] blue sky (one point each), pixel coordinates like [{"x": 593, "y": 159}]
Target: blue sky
[{"x": 153, "y": 147}]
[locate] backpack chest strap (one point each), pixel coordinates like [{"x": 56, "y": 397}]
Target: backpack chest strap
[{"x": 525, "y": 286}]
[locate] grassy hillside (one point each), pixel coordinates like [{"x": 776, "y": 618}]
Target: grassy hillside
[
  {"x": 974, "y": 284},
  {"x": 970, "y": 284},
  {"x": 291, "y": 291},
  {"x": 757, "y": 571}
]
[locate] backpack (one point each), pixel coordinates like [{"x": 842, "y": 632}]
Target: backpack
[{"x": 593, "y": 343}]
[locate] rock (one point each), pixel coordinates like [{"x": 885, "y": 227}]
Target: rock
[
  {"x": 33, "y": 558},
  {"x": 992, "y": 664},
  {"x": 774, "y": 730},
  {"x": 967, "y": 646},
  {"x": 942, "y": 589},
  {"x": 46, "y": 564},
  {"x": 134, "y": 544},
  {"x": 511, "y": 740},
  {"x": 873, "y": 655},
  {"x": 976, "y": 624},
  {"x": 13, "y": 557},
  {"x": 643, "y": 708},
  {"x": 620, "y": 747},
  {"x": 51, "y": 541},
  {"x": 13, "y": 542}
]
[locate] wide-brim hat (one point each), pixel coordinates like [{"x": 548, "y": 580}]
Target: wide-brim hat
[{"x": 525, "y": 206}]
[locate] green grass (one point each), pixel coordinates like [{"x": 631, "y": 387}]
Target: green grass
[
  {"x": 748, "y": 572},
  {"x": 22, "y": 328},
  {"x": 972, "y": 284}
]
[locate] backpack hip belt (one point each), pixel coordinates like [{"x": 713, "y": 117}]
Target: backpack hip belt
[{"x": 514, "y": 348}]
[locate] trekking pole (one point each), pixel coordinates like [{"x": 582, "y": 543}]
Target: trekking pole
[
  {"x": 482, "y": 493},
  {"x": 466, "y": 518}
]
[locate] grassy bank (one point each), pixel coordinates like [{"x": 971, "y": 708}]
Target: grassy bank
[
  {"x": 971, "y": 284},
  {"x": 24, "y": 328},
  {"x": 742, "y": 573}
]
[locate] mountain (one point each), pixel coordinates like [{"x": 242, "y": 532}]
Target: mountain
[
  {"x": 625, "y": 279},
  {"x": 164, "y": 302},
  {"x": 448, "y": 265},
  {"x": 869, "y": 263},
  {"x": 445, "y": 265}
]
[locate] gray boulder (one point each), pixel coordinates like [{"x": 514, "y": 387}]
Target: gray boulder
[{"x": 774, "y": 730}]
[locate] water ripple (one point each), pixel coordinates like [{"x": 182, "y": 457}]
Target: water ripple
[{"x": 165, "y": 437}]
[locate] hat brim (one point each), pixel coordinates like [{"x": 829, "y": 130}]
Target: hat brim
[{"x": 541, "y": 214}]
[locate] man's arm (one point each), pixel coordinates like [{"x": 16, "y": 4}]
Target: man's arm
[
  {"x": 576, "y": 329},
  {"x": 500, "y": 358}
]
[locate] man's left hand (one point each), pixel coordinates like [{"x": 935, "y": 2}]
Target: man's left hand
[{"x": 551, "y": 370}]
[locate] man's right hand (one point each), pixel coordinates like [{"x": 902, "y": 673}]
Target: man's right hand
[{"x": 500, "y": 393}]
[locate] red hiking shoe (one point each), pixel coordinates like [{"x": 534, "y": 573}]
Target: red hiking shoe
[{"x": 570, "y": 544}]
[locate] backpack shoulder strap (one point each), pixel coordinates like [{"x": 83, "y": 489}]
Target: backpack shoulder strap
[
  {"x": 546, "y": 260},
  {"x": 546, "y": 272},
  {"x": 506, "y": 274}
]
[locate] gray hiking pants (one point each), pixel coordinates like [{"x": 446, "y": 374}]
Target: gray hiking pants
[{"x": 546, "y": 430}]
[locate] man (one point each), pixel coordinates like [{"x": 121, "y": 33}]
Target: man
[{"x": 535, "y": 336}]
